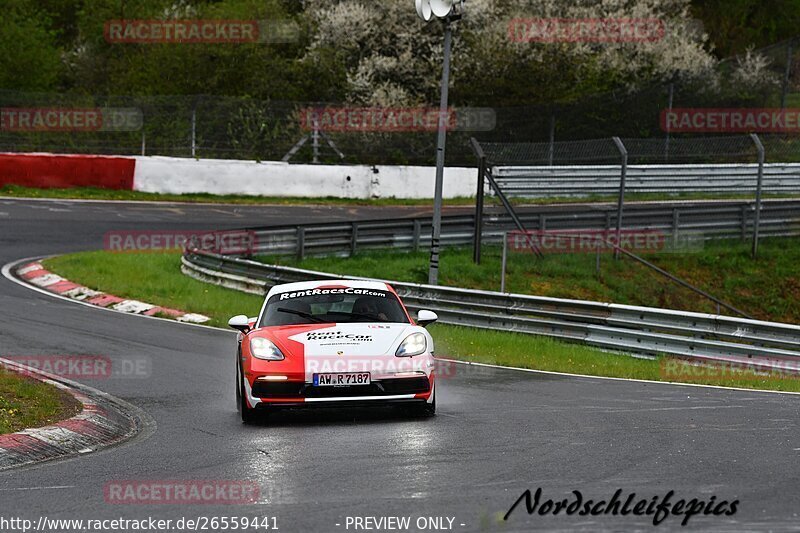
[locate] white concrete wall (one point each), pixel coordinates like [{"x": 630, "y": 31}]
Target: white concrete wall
[{"x": 269, "y": 178}]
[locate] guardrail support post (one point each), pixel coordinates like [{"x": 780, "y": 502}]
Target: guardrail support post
[
  {"x": 301, "y": 243},
  {"x": 417, "y": 234},
  {"x": 478, "y": 235},
  {"x": 623, "y": 152},
  {"x": 676, "y": 221},
  {"x": 744, "y": 222},
  {"x": 504, "y": 262},
  {"x": 760, "y": 183},
  {"x": 354, "y": 239}
]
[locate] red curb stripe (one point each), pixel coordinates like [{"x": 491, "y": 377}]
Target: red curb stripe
[
  {"x": 17, "y": 442},
  {"x": 83, "y": 427},
  {"x": 164, "y": 311},
  {"x": 104, "y": 300},
  {"x": 35, "y": 273},
  {"x": 61, "y": 286}
]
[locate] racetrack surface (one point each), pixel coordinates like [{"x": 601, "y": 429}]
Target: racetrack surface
[{"x": 498, "y": 432}]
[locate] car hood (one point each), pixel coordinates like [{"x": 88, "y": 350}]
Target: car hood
[{"x": 344, "y": 339}]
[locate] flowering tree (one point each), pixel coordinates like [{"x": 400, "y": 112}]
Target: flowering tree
[{"x": 393, "y": 58}]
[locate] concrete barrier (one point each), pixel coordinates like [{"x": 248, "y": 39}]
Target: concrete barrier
[{"x": 175, "y": 175}]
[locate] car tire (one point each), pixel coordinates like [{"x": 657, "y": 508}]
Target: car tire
[
  {"x": 247, "y": 413},
  {"x": 425, "y": 409}
]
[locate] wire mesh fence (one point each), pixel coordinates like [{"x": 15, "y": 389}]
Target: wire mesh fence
[{"x": 243, "y": 128}]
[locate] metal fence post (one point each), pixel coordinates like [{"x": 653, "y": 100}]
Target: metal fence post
[
  {"x": 478, "y": 235},
  {"x": 757, "y": 217},
  {"x": 301, "y": 243},
  {"x": 670, "y": 98},
  {"x": 194, "y": 129},
  {"x": 144, "y": 140},
  {"x": 353, "y": 239},
  {"x": 417, "y": 234},
  {"x": 623, "y": 152}
]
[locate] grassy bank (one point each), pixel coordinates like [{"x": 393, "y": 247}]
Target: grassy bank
[
  {"x": 767, "y": 288},
  {"x": 156, "y": 278},
  {"x": 27, "y": 403}
]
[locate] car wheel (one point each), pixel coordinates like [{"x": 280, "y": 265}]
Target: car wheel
[{"x": 247, "y": 413}]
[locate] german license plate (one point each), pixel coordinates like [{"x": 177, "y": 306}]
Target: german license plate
[{"x": 341, "y": 379}]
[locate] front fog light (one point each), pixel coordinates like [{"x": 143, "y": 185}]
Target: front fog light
[{"x": 414, "y": 344}]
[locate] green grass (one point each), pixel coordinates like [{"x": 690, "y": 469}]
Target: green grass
[
  {"x": 767, "y": 288},
  {"x": 90, "y": 193},
  {"x": 156, "y": 278},
  {"x": 27, "y": 403}
]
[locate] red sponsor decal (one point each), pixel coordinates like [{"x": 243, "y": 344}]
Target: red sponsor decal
[
  {"x": 730, "y": 120},
  {"x": 586, "y": 241},
  {"x": 585, "y": 30},
  {"x": 177, "y": 492},
  {"x": 222, "y": 242}
]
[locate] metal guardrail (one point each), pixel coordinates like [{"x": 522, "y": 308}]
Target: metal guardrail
[
  {"x": 625, "y": 328},
  {"x": 586, "y": 180},
  {"x": 698, "y": 219}
]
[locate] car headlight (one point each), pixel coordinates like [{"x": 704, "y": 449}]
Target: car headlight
[
  {"x": 264, "y": 349},
  {"x": 414, "y": 344}
]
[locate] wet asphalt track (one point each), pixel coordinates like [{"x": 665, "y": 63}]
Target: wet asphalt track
[{"x": 497, "y": 433}]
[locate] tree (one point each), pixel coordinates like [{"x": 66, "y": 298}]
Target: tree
[{"x": 392, "y": 58}]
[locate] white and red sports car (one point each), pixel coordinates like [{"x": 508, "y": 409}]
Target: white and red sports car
[{"x": 333, "y": 342}]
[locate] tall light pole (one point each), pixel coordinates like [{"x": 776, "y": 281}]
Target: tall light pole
[{"x": 447, "y": 11}]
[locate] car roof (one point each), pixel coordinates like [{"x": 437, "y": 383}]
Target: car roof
[{"x": 328, "y": 284}]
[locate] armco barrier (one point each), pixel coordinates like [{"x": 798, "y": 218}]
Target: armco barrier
[
  {"x": 701, "y": 219},
  {"x": 625, "y": 328},
  {"x": 586, "y": 180}
]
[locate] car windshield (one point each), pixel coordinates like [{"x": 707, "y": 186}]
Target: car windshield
[{"x": 332, "y": 305}]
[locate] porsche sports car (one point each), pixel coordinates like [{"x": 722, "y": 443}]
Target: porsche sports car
[{"x": 334, "y": 342}]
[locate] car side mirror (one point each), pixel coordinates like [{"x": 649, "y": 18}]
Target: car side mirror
[
  {"x": 425, "y": 317},
  {"x": 240, "y": 322}
]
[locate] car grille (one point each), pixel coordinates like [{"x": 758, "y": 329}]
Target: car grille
[{"x": 385, "y": 387}]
